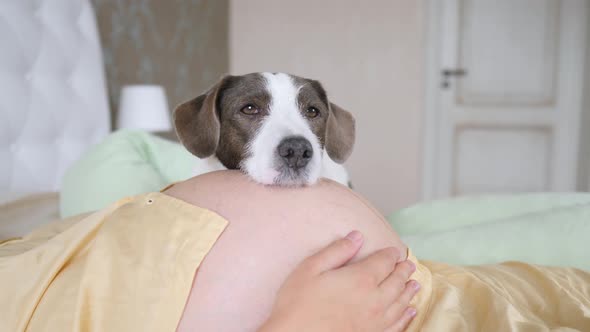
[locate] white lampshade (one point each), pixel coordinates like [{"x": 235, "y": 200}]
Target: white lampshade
[{"x": 144, "y": 107}]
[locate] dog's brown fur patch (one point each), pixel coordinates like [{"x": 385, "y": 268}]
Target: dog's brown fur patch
[
  {"x": 197, "y": 123},
  {"x": 340, "y": 134},
  {"x": 336, "y": 131},
  {"x": 238, "y": 128}
]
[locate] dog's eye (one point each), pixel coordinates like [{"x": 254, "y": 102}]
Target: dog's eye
[
  {"x": 312, "y": 112},
  {"x": 250, "y": 110}
]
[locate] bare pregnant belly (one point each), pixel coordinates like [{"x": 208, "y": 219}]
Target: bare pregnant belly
[{"x": 271, "y": 230}]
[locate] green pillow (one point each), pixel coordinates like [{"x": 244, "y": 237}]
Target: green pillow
[
  {"x": 126, "y": 163},
  {"x": 447, "y": 214},
  {"x": 540, "y": 228}
]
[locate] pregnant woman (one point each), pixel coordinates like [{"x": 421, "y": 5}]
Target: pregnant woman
[{"x": 211, "y": 254}]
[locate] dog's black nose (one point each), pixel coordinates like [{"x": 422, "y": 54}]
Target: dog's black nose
[{"x": 296, "y": 151}]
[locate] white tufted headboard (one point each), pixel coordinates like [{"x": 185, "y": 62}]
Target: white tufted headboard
[{"x": 53, "y": 98}]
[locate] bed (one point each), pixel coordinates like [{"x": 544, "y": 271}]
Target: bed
[
  {"x": 55, "y": 154},
  {"x": 53, "y": 104}
]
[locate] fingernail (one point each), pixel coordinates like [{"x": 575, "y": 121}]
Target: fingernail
[
  {"x": 411, "y": 312},
  {"x": 416, "y": 286},
  {"x": 355, "y": 236}
]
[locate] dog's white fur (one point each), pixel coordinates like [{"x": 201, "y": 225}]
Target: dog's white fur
[{"x": 284, "y": 120}]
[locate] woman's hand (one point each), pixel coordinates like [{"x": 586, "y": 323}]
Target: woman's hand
[{"x": 323, "y": 294}]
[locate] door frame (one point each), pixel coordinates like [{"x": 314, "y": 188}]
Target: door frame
[
  {"x": 584, "y": 153},
  {"x": 433, "y": 19}
]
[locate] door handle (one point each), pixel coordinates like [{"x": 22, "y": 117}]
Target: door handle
[
  {"x": 454, "y": 72},
  {"x": 448, "y": 73}
]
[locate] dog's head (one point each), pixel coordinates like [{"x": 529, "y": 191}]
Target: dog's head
[{"x": 273, "y": 126}]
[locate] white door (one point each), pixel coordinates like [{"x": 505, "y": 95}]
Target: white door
[{"x": 504, "y": 95}]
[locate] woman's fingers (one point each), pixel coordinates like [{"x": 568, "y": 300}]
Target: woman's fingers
[
  {"x": 382, "y": 283},
  {"x": 395, "y": 283},
  {"x": 334, "y": 255},
  {"x": 400, "y": 306},
  {"x": 377, "y": 266},
  {"x": 402, "y": 323}
]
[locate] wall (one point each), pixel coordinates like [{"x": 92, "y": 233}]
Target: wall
[
  {"x": 369, "y": 58},
  {"x": 182, "y": 45}
]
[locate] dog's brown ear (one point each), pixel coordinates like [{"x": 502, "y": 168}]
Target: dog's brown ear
[
  {"x": 197, "y": 122},
  {"x": 340, "y": 134}
]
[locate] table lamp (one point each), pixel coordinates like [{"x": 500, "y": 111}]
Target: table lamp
[{"x": 144, "y": 107}]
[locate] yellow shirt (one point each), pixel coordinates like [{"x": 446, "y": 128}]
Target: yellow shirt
[{"x": 130, "y": 267}]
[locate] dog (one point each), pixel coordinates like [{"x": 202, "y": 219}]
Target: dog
[{"x": 278, "y": 128}]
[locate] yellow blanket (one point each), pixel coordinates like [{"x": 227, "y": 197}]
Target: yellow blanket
[
  {"x": 511, "y": 296},
  {"x": 130, "y": 267}
]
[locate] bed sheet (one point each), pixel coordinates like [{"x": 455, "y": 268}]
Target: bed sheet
[{"x": 23, "y": 214}]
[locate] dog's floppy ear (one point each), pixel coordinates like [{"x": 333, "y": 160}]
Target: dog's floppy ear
[
  {"x": 340, "y": 134},
  {"x": 197, "y": 122}
]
